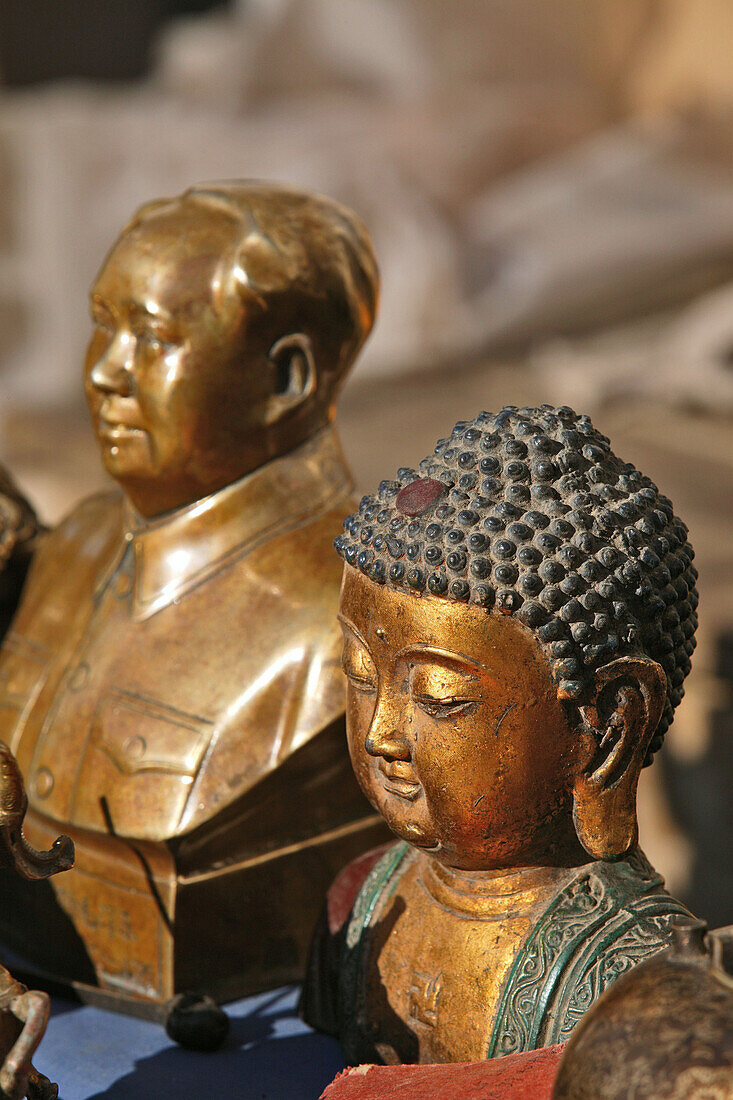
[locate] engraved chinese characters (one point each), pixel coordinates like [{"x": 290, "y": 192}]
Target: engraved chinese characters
[
  {"x": 518, "y": 617},
  {"x": 170, "y": 683}
]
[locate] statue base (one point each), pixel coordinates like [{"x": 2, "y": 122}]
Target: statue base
[{"x": 129, "y": 929}]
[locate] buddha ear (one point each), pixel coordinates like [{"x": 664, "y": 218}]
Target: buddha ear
[
  {"x": 620, "y": 719},
  {"x": 295, "y": 374}
]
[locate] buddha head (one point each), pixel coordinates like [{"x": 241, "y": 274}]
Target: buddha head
[
  {"x": 518, "y": 619},
  {"x": 225, "y": 321}
]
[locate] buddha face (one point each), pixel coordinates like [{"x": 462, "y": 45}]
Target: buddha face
[
  {"x": 176, "y": 405},
  {"x": 455, "y": 730}
]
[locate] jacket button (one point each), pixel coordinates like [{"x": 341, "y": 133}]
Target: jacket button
[{"x": 135, "y": 747}]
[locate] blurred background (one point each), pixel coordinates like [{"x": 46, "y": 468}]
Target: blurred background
[{"x": 549, "y": 185}]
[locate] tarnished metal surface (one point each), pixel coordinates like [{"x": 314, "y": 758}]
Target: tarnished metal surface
[
  {"x": 170, "y": 683},
  {"x": 509, "y": 672},
  {"x": 665, "y": 1030}
]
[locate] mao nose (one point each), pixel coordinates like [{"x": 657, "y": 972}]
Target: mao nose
[{"x": 112, "y": 373}]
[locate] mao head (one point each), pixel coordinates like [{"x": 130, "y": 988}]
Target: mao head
[
  {"x": 519, "y": 616},
  {"x": 225, "y": 321}
]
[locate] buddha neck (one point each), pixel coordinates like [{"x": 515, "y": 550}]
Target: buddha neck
[{"x": 491, "y": 895}]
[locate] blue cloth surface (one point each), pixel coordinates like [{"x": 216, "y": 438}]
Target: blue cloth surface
[{"x": 270, "y": 1054}]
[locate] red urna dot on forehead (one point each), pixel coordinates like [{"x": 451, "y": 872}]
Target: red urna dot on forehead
[{"x": 418, "y": 496}]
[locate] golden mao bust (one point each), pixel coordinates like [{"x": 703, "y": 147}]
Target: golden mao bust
[
  {"x": 170, "y": 683},
  {"x": 518, "y": 618}
]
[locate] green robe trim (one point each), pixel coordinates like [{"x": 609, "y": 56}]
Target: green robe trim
[{"x": 608, "y": 918}]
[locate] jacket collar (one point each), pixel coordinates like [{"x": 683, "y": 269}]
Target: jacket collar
[{"x": 175, "y": 553}]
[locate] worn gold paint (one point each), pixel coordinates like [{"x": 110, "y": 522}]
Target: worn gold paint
[{"x": 460, "y": 741}]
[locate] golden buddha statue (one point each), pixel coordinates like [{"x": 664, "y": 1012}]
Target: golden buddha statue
[
  {"x": 518, "y": 618},
  {"x": 170, "y": 683}
]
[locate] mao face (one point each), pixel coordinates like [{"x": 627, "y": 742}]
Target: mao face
[
  {"x": 173, "y": 405},
  {"x": 455, "y": 730}
]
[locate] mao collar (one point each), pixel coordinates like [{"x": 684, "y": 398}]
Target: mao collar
[{"x": 175, "y": 553}]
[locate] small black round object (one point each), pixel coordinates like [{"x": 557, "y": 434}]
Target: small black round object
[
  {"x": 481, "y": 568},
  {"x": 196, "y": 1022},
  {"x": 529, "y": 555},
  {"x": 516, "y": 448},
  {"x": 437, "y": 583},
  {"x": 494, "y": 523},
  {"x": 531, "y": 584},
  {"x": 460, "y": 590},
  {"x": 456, "y": 560},
  {"x": 517, "y": 471},
  {"x": 504, "y": 548}
]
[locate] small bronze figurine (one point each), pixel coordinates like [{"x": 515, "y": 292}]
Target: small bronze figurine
[
  {"x": 663, "y": 1030},
  {"x": 518, "y": 620},
  {"x": 23, "y": 1012},
  {"x": 170, "y": 683}
]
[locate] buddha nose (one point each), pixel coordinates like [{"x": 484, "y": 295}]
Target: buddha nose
[
  {"x": 112, "y": 373},
  {"x": 384, "y": 740}
]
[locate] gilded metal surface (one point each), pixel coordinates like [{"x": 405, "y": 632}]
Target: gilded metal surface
[
  {"x": 170, "y": 683},
  {"x": 501, "y": 737},
  {"x": 665, "y": 1030}
]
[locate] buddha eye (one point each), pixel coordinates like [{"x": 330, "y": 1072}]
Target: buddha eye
[
  {"x": 359, "y": 669},
  {"x": 444, "y": 708},
  {"x": 363, "y": 684},
  {"x": 443, "y": 692}
]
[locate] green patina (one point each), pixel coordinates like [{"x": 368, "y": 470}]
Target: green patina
[{"x": 610, "y": 917}]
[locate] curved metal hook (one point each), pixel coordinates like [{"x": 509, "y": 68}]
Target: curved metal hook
[{"x": 19, "y": 854}]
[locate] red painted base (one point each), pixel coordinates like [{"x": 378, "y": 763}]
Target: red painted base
[{"x": 527, "y": 1076}]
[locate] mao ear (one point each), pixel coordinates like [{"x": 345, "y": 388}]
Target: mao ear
[
  {"x": 624, "y": 711},
  {"x": 294, "y": 374}
]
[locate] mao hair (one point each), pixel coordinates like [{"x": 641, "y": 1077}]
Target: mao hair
[{"x": 303, "y": 256}]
